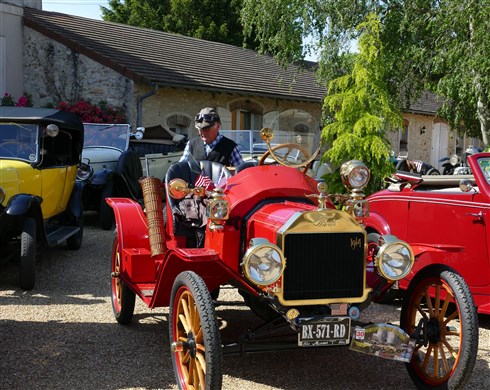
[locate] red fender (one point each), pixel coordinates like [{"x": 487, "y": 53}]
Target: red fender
[{"x": 135, "y": 233}]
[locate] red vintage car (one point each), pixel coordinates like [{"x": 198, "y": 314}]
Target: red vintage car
[
  {"x": 298, "y": 261},
  {"x": 446, "y": 218}
]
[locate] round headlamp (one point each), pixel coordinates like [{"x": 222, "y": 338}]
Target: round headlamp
[
  {"x": 2, "y": 195},
  {"x": 394, "y": 259},
  {"x": 52, "y": 130},
  {"x": 355, "y": 174},
  {"x": 84, "y": 172},
  {"x": 139, "y": 133},
  {"x": 454, "y": 159},
  {"x": 218, "y": 209},
  {"x": 263, "y": 263}
]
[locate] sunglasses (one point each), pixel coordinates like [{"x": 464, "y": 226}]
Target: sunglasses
[{"x": 206, "y": 118}]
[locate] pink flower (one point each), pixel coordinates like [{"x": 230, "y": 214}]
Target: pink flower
[{"x": 22, "y": 102}]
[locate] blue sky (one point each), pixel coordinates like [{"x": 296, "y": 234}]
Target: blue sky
[{"x": 86, "y": 8}]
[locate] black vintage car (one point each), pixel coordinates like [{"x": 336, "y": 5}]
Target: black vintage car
[
  {"x": 40, "y": 199},
  {"x": 118, "y": 158}
]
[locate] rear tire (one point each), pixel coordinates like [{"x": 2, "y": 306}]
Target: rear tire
[
  {"x": 122, "y": 297},
  {"x": 28, "y": 254}
]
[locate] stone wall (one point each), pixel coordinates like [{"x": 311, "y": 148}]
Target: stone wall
[
  {"x": 55, "y": 73},
  {"x": 167, "y": 104}
]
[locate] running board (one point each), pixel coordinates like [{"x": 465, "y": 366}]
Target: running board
[{"x": 60, "y": 234}]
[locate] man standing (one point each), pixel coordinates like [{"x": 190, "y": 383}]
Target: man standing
[{"x": 211, "y": 145}]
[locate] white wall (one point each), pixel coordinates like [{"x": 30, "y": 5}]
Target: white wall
[{"x": 11, "y": 50}]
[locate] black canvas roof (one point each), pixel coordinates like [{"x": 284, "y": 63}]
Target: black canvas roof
[{"x": 43, "y": 116}]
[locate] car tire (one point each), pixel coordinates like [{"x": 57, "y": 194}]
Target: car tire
[
  {"x": 194, "y": 334},
  {"x": 433, "y": 171},
  {"x": 28, "y": 249},
  {"x": 450, "y": 334},
  {"x": 122, "y": 297},
  {"x": 106, "y": 213}
]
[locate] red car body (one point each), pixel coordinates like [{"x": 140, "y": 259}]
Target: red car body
[{"x": 442, "y": 223}]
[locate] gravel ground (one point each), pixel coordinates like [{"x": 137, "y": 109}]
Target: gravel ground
[{"x": 62, "y": 335}]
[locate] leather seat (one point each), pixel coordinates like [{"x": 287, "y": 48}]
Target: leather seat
[
  {"x": 130, "y": 170},
  {"x": 245, "y": 165}
]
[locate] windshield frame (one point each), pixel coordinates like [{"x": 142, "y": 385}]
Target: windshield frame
[{"x": 20, "y": 141}]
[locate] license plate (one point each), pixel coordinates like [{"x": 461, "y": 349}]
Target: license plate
[{"x": 327, "y": 331}]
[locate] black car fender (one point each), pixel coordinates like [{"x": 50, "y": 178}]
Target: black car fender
[
  {"x": 18, "y": 207},
  {"x": 23, "y": 204},
  {"x": 76, "y": 205}
]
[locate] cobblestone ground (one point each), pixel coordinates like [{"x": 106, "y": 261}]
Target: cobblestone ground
[{"x": 62, "y": 335}]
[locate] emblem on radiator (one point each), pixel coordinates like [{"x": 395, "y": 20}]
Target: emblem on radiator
[{"x": 355, "y": 243}]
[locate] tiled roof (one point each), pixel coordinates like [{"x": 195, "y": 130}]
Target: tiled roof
[
  {"x": 428, "y": 103},
  {"x": 172, "y": 60}
]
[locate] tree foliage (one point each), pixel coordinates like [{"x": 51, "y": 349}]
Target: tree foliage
[
  {"x": 213, "y": 20},
  {"x": 439, "y": 45},
  {"x": 362, "y": 111}
]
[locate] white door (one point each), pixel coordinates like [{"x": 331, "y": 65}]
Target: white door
[{"x": 439, "y": 145}]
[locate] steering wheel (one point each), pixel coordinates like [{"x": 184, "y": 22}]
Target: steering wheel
[{"x": 290, "y": 147}]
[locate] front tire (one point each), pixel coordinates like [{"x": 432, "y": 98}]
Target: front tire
[
  {"x": 439, "y": 299},
  {"x": 194, "y": 334},
  {"x": 122, "y": 297},
  {"x": 28, "y": 254}
]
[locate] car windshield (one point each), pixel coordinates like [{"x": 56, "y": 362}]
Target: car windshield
[
  {"x": 484, "y": 164},
  {"x": 249, "y": 141},
  {"x": 19, "y": 141},
  {"x": 106, "y": 135}
]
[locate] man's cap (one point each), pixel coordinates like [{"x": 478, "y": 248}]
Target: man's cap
[{"x": 208, "y": 116}]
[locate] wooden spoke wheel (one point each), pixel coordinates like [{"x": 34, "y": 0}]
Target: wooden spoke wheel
[
  {"x": 438, "y": 311},
  {"x": 122, "y": 297},
  {"x": 194, "y": 334}
]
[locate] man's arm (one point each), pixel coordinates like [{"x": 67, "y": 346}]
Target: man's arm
[
  {"x": 236, "y": 157},
  {"x": 186, "y": 154}
]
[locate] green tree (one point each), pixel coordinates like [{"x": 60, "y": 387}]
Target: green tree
[
  {"x": 362, "y": 111},
  {"x": 440, "y": 45},
  {"x": 213, "y": 20}
]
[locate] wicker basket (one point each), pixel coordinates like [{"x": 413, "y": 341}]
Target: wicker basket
[{"x": 152, "y": 198}]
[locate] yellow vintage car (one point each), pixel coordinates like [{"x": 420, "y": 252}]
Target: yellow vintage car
[{"x": 40, "y": 198}]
